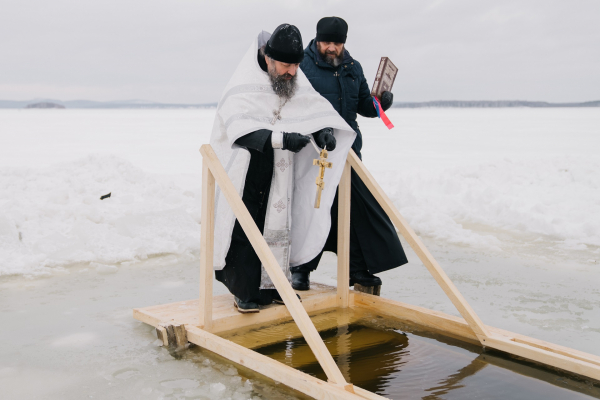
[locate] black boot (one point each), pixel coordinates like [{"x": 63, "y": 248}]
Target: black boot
[
  {"x": 278, "y": 300},
  {"x": 300, "y": 280},
  {"x": 245, "y": 306},
  {"x": 364, "y": 278}
]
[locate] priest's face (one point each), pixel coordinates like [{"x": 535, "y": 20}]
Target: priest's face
[
  {"x": 283, "y": 77},
  {"x": 331, "y": 52}
]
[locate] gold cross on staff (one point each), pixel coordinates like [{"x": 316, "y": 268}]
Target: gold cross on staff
[{"x": 322, "y": 163}]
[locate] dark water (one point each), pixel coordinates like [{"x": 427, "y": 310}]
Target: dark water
[{"x": 374, "y": 355}]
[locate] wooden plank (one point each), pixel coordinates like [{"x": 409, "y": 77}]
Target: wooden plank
[
  {"x": 539, "y": 374},
  {"x": 551, "y": 354},
  {"x": 225, "y": 317},
  {"x": 161, "y": 333},
  {"x": 252, "y": 338},
  {"x": 419, "y": 248},
  {"x": 374, "y": 290},
  {"x": 273, "y": 269},
  {"x": 271, "y": 314},
  {"x": 207, "y": 239},
  {"x": 419, "y": 316},
  {"x": 343, "y": 238},
  {"x": 561, "y": 357},
  {"x": 180, "y": 335},
  {"x": 565, "y": 362},
  {"x": 578, "y": 355},
  {"x": 275, "y": 370}
]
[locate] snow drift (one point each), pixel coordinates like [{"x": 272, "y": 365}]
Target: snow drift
[{"x": 54, "y": 216}]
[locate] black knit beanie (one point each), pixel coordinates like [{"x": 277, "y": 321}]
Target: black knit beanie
[
  {"x": 332, "y": 29},
  {"x": 285, "y": 45}
]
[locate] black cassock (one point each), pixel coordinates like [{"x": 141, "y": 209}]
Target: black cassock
[
  {"x": 242, "y": 270},
  {"x": 374, "y": 243}
]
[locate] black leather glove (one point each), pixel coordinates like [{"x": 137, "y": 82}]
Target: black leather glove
[
  {"x": 294, "y": 142},
  {"x": 325, "y": 139},
  {"x": 387, "y": 99}
]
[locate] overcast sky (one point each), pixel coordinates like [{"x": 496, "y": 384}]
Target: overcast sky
[{"x": 184, "y": 51}]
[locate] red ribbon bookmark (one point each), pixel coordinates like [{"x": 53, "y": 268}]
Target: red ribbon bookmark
[{"x": 381, "y": 113}]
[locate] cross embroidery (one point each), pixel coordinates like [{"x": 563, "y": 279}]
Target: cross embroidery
[
  {"x": 279, "y": 206},
  {"x": 282, "y": 165}
]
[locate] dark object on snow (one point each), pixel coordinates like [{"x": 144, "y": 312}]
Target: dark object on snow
[
  {"x": 106, "y": 196},
  {"x": 285, "y": 45},
  {"x": 332, "y": 29}
]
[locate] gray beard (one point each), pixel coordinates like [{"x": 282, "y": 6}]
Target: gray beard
[
  {"x": 284, "y": 88},
  {"x": 333, "y": 60}
]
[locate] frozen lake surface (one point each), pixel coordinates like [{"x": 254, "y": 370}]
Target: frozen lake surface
[{"x": 508, "y": 200}]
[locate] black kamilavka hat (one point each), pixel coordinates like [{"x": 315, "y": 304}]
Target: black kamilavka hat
[
  {"x": 285, "y": 45},
  {"x": 332, "y": 29}
]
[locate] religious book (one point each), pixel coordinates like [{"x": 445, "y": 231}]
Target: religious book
[{"x": 384, "y": 80}]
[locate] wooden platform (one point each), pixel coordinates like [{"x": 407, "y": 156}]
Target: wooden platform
[
  {"x": 207, "y": 319},
  {"x": 322, "y": 297},
  {"x": 226, "y": 317}
]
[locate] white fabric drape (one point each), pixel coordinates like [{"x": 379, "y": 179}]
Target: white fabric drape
[{"x": 247, "y": 105}]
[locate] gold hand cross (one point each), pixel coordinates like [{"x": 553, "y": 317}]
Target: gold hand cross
[{"x": 322, "y": 163}]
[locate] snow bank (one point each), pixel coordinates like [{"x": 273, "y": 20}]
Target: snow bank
[
  {"x": 558, "y": 197},
  {"x": 481, "y": 178},
  {"x": 53, "y": 217}
]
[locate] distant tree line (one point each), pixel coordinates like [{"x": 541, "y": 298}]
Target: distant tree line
[
  {"x": 43, "y": 103},
  {"x": 493, "y": 104}
]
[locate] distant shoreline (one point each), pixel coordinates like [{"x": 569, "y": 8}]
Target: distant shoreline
[
  {"x": 493, "y": 104},
  {"x": 138, "y": 104}
]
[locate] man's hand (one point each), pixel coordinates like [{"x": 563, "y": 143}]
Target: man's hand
[
  {"x": 387, "y": 99},
  {"x": 294, "y": 142},
  {"x": 325, "y": 139}
]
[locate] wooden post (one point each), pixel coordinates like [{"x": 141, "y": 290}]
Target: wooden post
[
  {"x": 279, "y": 279},
  {"x": 343, "y": 239},
  {"x": 172, "y": 335},
  {"x": 417, "y": 245},
  {"x": 207, "y": 241}
]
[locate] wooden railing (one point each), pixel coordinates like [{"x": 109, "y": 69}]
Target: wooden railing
[{"x": 213, "y": 172}]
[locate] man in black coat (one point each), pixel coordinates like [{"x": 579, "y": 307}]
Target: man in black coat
[{"x": 374, "y": 243}]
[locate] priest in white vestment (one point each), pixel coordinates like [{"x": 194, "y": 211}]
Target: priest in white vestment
[{"x": 264, "y": 123}]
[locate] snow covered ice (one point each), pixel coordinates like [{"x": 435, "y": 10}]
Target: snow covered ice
[
  {"x": 508, "y": 200},
  {"x": 54, "y": 216},
  {"x": 454, "y": 174}
]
